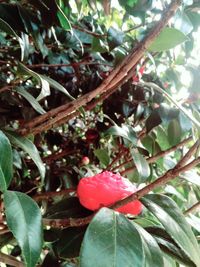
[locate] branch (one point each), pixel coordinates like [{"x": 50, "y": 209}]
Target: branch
[
  {"x": 115, "y": 79},
  {"x": 155, "y": 157},
  {"x": 49, "y": 195},
  {"x": 171, "y": 99},
  {"x": 194, "y": 208},
  {"x": 169, "y": 175},
  {"x": 10, "y": 260}
]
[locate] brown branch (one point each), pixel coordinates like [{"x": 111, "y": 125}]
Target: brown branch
[
  {"x": 155, "y": 157},
  {"x": 58, "y": 155},
  {"x": 65, "y": 223},
  {"x": 10, "y": 260},
  {"x": 5, "y": 88},
  {"x": 74, "y": 64},
  {"x": 168, "y": 176},
  {"x": 116, "y": 77},
  {"x": 188, "y": 155},
  {"x": 194, "y": 208},
  {"x": 49, "y": 195},
  {"x": 98, "y": 35}
]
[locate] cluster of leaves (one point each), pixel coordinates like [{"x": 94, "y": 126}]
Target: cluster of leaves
[{"x": 52, "y": 52}]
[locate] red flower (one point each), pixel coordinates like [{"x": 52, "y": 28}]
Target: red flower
[{"x": 106, "y": 188}]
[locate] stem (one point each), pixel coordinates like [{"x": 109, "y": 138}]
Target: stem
[
  {"x": 49, "y": 195},
  {"x": 10, "y": 260},
  {"x": 194, "y": 208},
  {"x": 178, "y": 105},
  {"x": 155, "y": 157},
  {"x": 117, "y": 77},
  {"x": 168, "y": 176}
]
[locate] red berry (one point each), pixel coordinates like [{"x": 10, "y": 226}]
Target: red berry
[{"x": 106, "y": 188}]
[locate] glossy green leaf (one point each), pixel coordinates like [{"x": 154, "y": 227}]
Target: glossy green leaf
[
  {"x": 194, "y": 221},
  {"x": 115, "y": 38},
  {"x": 6, "y": 162},
  {"x": 111, "y": 240},
  {"x": 167, "y": 39},
  {"x": 26, "y": 145},
  {"x": 45, "y": 89},
  {"x": 141, "y": 164},
  {"x": 183, "y": 23},
  {"x": 168, "y": 246},
  {"x": 125, "y": 131},
  {"x": 32, "y": 101},
  {"x": 68, "y": 245},
  {"x": 175, "y": 224},
  {"x": 153, "y": 254},
  {"x": 102, "y": 155},
  {"x": 64, "y": 22},
  {"x": 4, "y": 26},
  {"x": 25, "y": 222},
  {"x": 54, "y": 84},
  {"x": 174, "y": 132}
]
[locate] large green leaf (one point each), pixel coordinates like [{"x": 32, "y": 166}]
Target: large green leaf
[
  {"x": 6, "y": 162},
  {"x": 111, "y": 240},
  {"x": 25, "y": 222},
  {"x": 167, "y": 39},
  {"x": 26, "y": 145},
  {"x": 45, "y": 91},
  {"x": 168, "y": 246},
  {"x": 4, "y": 26},
  {"x": 33, "y": 102},
  {"x": 153, "y": 254},
  {"x": 68, "y": 245},
  {"x": 141, "y": 164},
  {"x": 126, "y": 131},
  {"x": 102, "y": 155},
  {"x": 175, "y": 224}
]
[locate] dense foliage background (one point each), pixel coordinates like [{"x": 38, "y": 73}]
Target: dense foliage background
[{"x": 87, "y": 86}]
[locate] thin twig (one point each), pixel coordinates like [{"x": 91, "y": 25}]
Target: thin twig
[
  {"x": 155, "y": 157},
  {"x": 111, "y": 83},
  {"x": 49, "y": 195},
  {"x": 10, "y": 260},
  {"x": 168, "y": 176},
  {"x": 194, "y": 208}
]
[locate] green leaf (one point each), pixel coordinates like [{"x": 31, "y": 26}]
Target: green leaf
[
  {"x": 57, "y": 86},
  {"x": 64, "y": 22},
  {"x": 175, "y": 224},
  {"x": 6, "y": 162},
  {"x": 167, "y": 39},
  {"x": 102, "y": 155},
  {"x": 45, "y": 90},
  {"x": 183, "y": 23},
  {"x": 141, "y": 165},
  {"x": 68, "y": 245},
  {"x": 153, "y": 254},
  {"x": 111, "y": 240},
  {"x": 32, "y": 101},
  {"x": 26, "y": 145},
  {"x": 25, "y": 222},
  {"x": 115, "y": 38},
  {"x": 4, "y": 26},
  {"x": 168, "y": 246},
  {"x": 125, "y": 131},
  {"x": 174, "y": 132}
]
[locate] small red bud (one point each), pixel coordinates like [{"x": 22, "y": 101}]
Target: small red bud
[{"x": 85, "y": 160}]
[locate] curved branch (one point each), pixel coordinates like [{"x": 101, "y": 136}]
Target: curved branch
[{"x": 115, "y": 79}]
